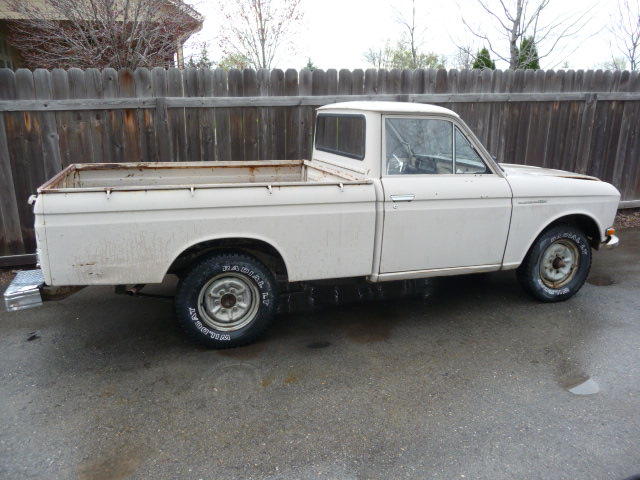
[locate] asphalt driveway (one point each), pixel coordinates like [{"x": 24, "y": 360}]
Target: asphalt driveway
[{"x": 474, "y": 381}]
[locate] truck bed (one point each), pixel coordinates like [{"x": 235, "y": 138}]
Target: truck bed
[
  {"x": 170, "y": 175},
  {"x": 114, "y": 224}
]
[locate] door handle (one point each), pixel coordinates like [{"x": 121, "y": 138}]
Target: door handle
[{"x": 403, "y": 198}]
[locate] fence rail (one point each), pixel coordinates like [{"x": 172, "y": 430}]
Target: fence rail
[
  {"x": 298, "y": 101},
  {"x": 584, "y": 121}
]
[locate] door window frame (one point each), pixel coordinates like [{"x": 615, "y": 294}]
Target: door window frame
[{"x": 493, "y": 168}]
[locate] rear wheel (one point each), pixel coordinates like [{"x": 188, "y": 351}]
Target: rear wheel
[
  {"x": 556, "y": 265},
  {"x": 226, "y": 300}
]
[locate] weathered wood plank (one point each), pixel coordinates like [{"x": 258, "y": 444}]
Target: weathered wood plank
[
  {"x": 177, "y": 124},
  {"x": 332, "y": 81},
  {"x": 265, "y": 116},
  {"x": 97, "y": 118},
  {"x": 357, "y": 82},
  {"x": 235, "y": 116},
  {"x": 146, "y": 126},
  {"x": 223, "y": 136},
  {"x": 305, "y": 131},
  {"x": 278, "y": 119},
  {"x": 291, "y": 89},
  {"x": 191, "y": 117},
  {"x": 11, "y": 240},
  {"x": 114, "y": 145},
  {"x": 250, "y": 117},
  {"x": 60, "y": 90},
  {"x": 370, "y": 81},
  {"x": 161, "y": 115},
  {"x": 131, "y": 138},
  {"x": 49, "y": 129},
  {"x": 14, "y": 133},
  {"x": 206, "y": 116},
  {"x": 79, "y": 126}
]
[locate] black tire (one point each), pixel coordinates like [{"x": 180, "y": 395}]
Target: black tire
[
  {"x": 556, "y": 265},
  {"x": 226, "y": 300}
]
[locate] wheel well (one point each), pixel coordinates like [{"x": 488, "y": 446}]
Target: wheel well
[
  {"x": 263, "y": 251},
  {"x": 583, "y": 222}
]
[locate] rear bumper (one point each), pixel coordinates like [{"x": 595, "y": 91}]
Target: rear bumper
[
  {"x": 611, "y": 242},
  {"x": 24, "y": 291}
]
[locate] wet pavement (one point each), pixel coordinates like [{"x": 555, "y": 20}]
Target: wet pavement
[{"x": 474, "y": 381}]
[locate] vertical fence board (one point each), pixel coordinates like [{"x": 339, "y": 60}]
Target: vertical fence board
[
  {"x": 250, "y": 116},
  {"x": 79, "y": 125},
  {"x": 33, "y": 166},
  {"x": 265, "y": 119},
  {"x": 59, "y": 91},
  {"x": 146, "y": 127},
  {"x": 223, "y": 136},
  {"x": 191, "y": 117},
  {"x": 278, "y": 118},
  {"x": 18, "y": 158},
  {"x": 114, "y": 151},
  {"x": 206, "y": 116},
  {"x": 11, "y": 235},
  {"x": 132, "y": 139},
  {"x": 235, "y": 117},
  {"x": 97, "y": 118},
  {"x": 371, "y": 81},
  {"x": 164, "y": 138},
  {"x": 177, "y": 124},
  {"x": 291, "y": 116},
  {"x": 305, "y": 132},
  {"x": 52, "y": 163}
]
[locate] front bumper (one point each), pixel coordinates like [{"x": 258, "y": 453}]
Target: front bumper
[
  {"x": 24, "y": 291},
  {"x": 611, "y": 242}
]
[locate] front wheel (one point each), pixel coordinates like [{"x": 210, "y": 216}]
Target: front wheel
[
  {"x": 556, "y": 265},
  {"x": 226, "y": 300}
]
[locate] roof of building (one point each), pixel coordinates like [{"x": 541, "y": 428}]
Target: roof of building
[{"x": 390, "y": 107}]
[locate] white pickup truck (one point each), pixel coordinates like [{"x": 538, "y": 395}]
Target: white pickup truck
[{"x": 393, "y": 191}]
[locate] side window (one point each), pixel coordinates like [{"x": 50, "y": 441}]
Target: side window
[
  {"x": 341, "y": 134},
  {"x": 467, "y": 159},
  {"x": 418, "y": 146}
]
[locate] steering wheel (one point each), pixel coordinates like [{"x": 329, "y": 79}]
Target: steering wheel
[{"x": 403, "y": 165}]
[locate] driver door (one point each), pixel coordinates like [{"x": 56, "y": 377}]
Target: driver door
[{"x": 444, "y": 207}]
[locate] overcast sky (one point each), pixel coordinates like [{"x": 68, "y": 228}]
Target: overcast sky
[{"x": 336, "y": 33}]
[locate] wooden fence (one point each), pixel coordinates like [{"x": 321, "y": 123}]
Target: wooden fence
[{"x": 584, "y": 121}]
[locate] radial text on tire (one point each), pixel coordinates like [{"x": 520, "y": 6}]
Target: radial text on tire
[{"x": 556, "y": 265}]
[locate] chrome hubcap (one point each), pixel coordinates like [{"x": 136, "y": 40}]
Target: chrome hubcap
[
  {"x": 559, "y": 263},
  {"x": 228, "y": 302}
]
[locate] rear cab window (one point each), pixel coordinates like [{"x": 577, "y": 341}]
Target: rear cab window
[{"x": 341, "y": 134}]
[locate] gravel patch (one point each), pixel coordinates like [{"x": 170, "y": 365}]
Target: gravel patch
[
  {"x": 628, "y": 218},
  {"x": 6, "y": 275}
]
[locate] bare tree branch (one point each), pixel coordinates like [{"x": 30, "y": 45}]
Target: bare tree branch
[
  {"x": 517, "y": 20},
  {"x": 625, "y": 30},
  {"x": 100, "y": 33},
  {"x": 258, "y": 29}
]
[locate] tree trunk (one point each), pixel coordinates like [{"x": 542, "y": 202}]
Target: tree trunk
[{"x": 515, "y": 35}]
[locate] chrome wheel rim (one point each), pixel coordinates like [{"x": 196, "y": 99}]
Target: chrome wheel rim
[
  {"x": 559, "y": 263},
  {"x": 228, "y": 302}
]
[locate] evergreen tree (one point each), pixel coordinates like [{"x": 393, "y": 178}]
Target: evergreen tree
[
  {"x": 483, "y": 60},
  {"x": 528, "y": 55},
  {"x": 202, "y": 61},
  {"x": 310, "y": 66}
]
